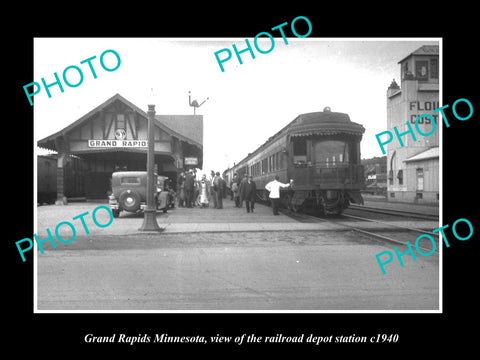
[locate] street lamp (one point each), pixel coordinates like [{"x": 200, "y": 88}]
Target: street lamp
[{"x": 150, "y": 213}]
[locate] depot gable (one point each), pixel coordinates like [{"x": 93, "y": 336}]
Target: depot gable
[
  {"x": 119, "y": 119},
  {"x": 113, "y": 136}
]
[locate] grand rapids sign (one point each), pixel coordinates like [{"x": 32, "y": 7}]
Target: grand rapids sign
[
  {"x": 120, "y": 142},
  {"x": 117, "y": 143}
]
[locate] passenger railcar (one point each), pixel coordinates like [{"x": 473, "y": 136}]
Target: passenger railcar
[{"x": 320, "y": 151}]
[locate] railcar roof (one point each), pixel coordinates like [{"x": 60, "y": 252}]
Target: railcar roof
[
  {"x": 315, "y": 123},
  {"x": 324, "y": 123},
  {"x": 322, "y": 116}
]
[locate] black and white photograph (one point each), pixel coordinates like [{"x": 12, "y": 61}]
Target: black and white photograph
[{"x": 275, "y": 187}]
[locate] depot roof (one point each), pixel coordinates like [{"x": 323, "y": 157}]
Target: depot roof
[{"x": 188, "y": 128}]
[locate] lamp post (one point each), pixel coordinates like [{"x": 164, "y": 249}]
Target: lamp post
[{"x": 150, "y": 213}]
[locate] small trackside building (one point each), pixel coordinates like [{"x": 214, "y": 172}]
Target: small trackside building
[{"x": 113, "y": 137}]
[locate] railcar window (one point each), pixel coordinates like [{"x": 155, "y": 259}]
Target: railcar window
[
  {"x": 300, "y": 150},
  {"x": 331, "y": 152}
]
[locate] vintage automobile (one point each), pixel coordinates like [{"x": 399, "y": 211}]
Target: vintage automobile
[{"x": 129, "y": 192}]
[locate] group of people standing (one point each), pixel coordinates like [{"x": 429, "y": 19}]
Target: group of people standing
[
  {"x": 245, "y": 190},
  {"x": 207, "y": 191},
  {"x": 213, "y": 190}
]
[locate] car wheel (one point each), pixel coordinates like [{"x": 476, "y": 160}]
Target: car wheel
[{"x": 129, "y": 201}]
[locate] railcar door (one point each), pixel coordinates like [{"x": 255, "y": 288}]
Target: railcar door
[
  {"x": 331, "y": 159},
  {"x": 301, "y": 160}
]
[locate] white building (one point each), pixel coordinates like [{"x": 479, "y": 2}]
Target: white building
[{"x": 413, "y": 169}]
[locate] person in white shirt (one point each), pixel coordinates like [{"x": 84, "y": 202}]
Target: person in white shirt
[{"x": 274, "y": 188}]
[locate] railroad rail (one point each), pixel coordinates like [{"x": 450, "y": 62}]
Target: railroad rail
[
  {"x": 411, "y": 214},
  {"x": 374, "y": 232}
]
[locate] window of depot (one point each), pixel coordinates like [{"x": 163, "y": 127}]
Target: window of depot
[{"x": 120, "y": 121}]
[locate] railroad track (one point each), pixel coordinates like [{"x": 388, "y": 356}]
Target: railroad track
[
  {"x": 383, "y": 230},
  {"x": 410, "y": 214}
]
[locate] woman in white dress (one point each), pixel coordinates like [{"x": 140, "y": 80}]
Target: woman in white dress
[{"x": 204, "y": 191}]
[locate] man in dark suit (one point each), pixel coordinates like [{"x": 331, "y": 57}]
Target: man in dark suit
[
  {"x": 241, "y": 193},
  {"x": 189, "y": 188},
  {"x": 181, "y": 189},
  {"x": 219, "y": 185},
  {"x": 213, "y": 193},
  {"x": 248, "y": 192}
]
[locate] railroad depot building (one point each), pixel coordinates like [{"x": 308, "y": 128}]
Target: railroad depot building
[
  {"x": 413, "y": 170},
  {"x": 113, "y": 137}
]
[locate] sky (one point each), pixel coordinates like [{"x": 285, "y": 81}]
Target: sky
[{"x": 247, "y": 102}]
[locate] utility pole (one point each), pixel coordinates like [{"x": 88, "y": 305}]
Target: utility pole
[{"x": 150, "y": 213}]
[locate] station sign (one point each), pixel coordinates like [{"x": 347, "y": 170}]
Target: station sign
[
  {"x": 191, "y": 161},
  {"x": 117, "y": 143}
]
